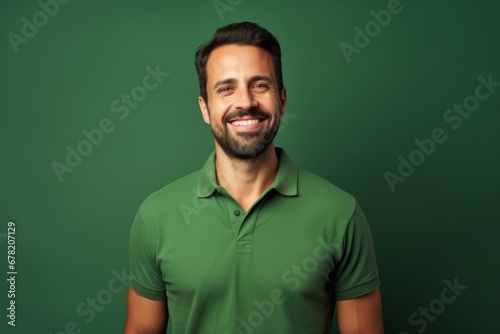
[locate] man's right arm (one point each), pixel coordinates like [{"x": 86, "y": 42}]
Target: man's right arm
[{"x": 145, "y": 316}]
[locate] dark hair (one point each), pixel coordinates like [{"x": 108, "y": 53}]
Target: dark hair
[{"x": 243, "y": 33}]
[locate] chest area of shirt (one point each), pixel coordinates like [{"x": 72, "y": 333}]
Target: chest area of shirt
[{"x": 229, "y": 254}]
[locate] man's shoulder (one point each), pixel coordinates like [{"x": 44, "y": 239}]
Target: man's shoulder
[
  {"x": 172, "y": 194},
  {"x": 314, "y": 182},
  {"x": 325, "y": 192}
]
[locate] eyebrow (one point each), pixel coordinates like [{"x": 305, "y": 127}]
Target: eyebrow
[{"x": 232, "y": 80}]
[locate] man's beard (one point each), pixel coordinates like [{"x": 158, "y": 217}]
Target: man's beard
[{"x": 250, "y": 144}]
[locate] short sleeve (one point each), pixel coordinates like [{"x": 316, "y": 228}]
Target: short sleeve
[
  {"x": 356, "y": 273},
  {"x": 145, "y": 276}
]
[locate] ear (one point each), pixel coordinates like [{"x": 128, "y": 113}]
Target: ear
[
  {"x": 204, "y": 109},
  {"x": 283, "y": 102}
]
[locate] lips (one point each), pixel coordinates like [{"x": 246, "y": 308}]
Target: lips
[
  {"x": 251, "y": 117},
  {"x": 245, "y": 122}
]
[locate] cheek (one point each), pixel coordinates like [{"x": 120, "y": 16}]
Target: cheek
[
  {"x": 218, "y": 109},
  {"x": 273, "y": 105}
]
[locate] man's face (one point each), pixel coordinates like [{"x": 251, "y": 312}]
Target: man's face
[{"x": 244, "y": 104}]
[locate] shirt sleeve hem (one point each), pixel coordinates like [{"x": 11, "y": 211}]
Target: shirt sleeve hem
[
  {"x": 359, "y": 290},
  {"x": 147, "y": 293}
]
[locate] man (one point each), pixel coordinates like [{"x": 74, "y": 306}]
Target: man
[{"x": 250, "y": 243}]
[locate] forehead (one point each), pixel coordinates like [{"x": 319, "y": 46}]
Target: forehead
[{"x": 232, "y": 60}]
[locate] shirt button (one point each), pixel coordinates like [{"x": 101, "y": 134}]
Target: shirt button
[{"x": 236, "y": 212}]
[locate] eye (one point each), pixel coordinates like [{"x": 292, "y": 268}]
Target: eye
[
  {"x": 260, "y": 86},
  {"x": 224, "y": 89}
]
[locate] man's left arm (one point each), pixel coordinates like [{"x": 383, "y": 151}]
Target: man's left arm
[
  {"x": 361, "y": 315},
  {"x": 356, "y": 280}
]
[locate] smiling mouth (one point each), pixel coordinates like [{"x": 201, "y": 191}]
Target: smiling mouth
[{"x": 245, "y": 122}]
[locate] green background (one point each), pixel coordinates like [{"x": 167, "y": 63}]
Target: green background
[{"x": 347, "y": 122}]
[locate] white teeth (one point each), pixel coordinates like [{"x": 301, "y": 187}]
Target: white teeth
[{"x": 245, "y": 122}]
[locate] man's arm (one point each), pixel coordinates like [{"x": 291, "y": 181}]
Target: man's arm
[
  {"x": 362, "y": 315},
  {"x": 145, "y": 316}
]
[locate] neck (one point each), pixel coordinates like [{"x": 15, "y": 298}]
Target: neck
[{"x": 246, "y": 180}]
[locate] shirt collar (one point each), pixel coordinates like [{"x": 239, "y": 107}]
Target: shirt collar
[{"x": 285, "y": 181}]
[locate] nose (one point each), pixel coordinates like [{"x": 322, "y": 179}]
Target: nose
[{"x": 244, "y": 99}]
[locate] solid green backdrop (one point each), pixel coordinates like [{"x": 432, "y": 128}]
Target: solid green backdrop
[{"x": 371, "y": 86}]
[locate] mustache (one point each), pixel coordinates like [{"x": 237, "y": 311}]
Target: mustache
[{"x": 253, "y": 112}]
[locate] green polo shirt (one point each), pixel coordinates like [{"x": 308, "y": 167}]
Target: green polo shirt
[{"x": 277, "y": 268}]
